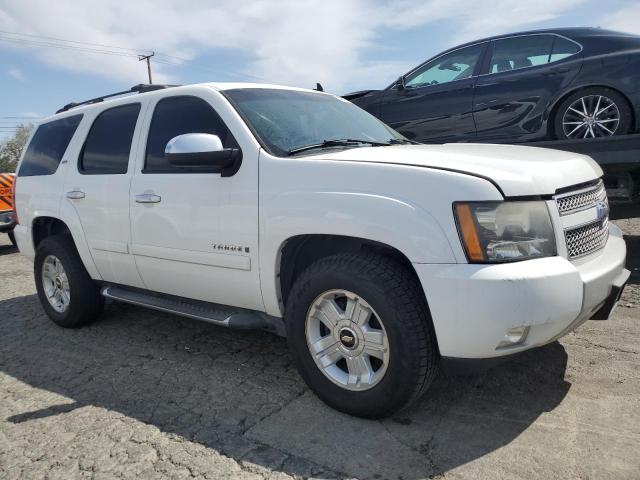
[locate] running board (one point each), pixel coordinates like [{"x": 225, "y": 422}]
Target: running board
[{"x": 221, "y": 315}]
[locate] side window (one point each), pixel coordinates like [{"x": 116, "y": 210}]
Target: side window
[
  {"x": 106, "y": 150},
  {"x": 47, "y": 147},
  {"x": 520, "y": 52},
  {"x": 452, "y": 66},
  {"x": 563, "y": 48},
  {"x": 175, "y": 116}
]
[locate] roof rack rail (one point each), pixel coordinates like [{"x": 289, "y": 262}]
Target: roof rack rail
[{"x": 140, "y": 88}]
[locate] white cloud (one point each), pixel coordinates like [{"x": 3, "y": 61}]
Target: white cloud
[
  {"x": 290, "y": 41},
  {"x": 625, "y": 19},
  {"x": 15, "y": 73},
  {"x": 33, "y": 115}
]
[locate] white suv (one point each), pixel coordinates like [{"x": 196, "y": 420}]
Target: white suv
[{"x": 294, "y": 211}]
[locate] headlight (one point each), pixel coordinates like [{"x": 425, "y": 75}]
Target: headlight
[{"x": 494, "y": 232}]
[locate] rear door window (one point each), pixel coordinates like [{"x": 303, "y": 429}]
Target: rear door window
[
  {"x": 520, "y": 52},
  {"x": 47, "y": 147},
  {"x": 106, "y": 150}
]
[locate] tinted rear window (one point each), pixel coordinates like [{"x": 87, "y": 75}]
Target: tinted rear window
[
  {"x": 47, "y": 147},
  {"x": 106, "y": 150}
]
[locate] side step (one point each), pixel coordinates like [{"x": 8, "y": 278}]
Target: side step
[{"x": 221, "y": 315}]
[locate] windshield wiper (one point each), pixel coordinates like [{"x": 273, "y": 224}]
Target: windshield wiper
[
  {"x": 402, "y": 141},
  {"x": 341, "y": 142}
]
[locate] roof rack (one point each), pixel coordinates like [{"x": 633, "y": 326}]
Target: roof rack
[{"x": 140, "y": 88}]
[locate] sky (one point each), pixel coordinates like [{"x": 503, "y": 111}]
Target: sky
[{"x": 345, "y": 45}]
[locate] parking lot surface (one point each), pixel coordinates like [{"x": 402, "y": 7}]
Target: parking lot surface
[{"x": 141, "y": 394}]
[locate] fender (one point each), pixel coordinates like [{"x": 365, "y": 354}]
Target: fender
[{"x": 408, "y": 228}]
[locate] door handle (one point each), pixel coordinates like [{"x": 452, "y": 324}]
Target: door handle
[
  {"x": 75, "y": 194},
  {"x": 148, "y": 198},
  {"x": 557, "y": 71}
]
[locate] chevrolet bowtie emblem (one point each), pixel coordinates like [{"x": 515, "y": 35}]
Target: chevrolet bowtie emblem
[{"x": 602, "y": 210}]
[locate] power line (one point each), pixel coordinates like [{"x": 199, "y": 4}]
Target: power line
[
  {"x": 88, "y": 47},
  {"x": 65, "y": 47},
  {"x": 73, "y": 41}
]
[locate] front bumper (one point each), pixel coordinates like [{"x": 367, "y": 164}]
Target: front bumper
[
  {"x": 473, "y": 306},
  {"x": 7, "y": 222}
]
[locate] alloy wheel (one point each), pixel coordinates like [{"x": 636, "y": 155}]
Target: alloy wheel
[
  {"x": 55, "y": 283},
  {"x": 347, "y": 340},
  {"x": 590, "y": 117}
]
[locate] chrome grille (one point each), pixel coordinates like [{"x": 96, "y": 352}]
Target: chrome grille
[
  {"x": 581, "y": 199},
  {"x": 587, "y": 238}
]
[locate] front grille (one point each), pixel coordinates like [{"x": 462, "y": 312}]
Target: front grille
[
  {"x": 581, "y": 200},
  {"x": 587, "y": 238}
]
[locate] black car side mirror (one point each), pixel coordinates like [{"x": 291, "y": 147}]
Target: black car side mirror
[{"x": 400, "y": 84}]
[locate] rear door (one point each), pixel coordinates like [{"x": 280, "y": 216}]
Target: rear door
[
  {"x": 195, "y": 232},
  {"x": 436, "y": 102},
  {"x": 522, "y": 77},
  {"x": 97, "y": 187}
]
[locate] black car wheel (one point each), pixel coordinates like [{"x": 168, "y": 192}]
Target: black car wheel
[{"x": 593, "y": 113}]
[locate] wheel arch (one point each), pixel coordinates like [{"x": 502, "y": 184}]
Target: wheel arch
[
  {"x": 299, "y": 252},
  {"x": 44, "y": 226},
  {"x": 553, "y": 110}
]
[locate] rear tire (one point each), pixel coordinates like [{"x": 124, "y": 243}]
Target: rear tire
[
  {"x": 12, "y": 238},
  {"x": 571, "y": 120},
  {"x": 393, "y": 302},
  {"x": 67, "y": 293}
]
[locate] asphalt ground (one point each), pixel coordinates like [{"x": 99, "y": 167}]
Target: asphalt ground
[{"x": 141, "y": 394}]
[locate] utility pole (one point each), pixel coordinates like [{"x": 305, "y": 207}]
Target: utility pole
[{"x": 147, "y": 58}]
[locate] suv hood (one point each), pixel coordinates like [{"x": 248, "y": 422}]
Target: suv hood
[{"x": 516, "y": 170}]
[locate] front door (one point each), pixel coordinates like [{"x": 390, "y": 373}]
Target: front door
[
  {"x": 194, "y": 232},
  {"x": 98, "y": 190},
  {"x": 436, "y": 103}
]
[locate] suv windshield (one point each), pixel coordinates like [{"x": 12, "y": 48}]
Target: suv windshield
[{"x": 287, "y": 121}]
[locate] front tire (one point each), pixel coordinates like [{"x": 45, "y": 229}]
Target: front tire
[
  {"x": 67, "y": 293},
  {"x": 593, "y": 113},
  {"x": 360, "y": 332},
  {"x": 12, "y": 239}
]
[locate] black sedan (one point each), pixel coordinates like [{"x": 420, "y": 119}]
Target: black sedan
[{"x": 567, "y": 83}]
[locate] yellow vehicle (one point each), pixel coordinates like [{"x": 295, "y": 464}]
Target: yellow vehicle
[{"x": 7, "y": 215}]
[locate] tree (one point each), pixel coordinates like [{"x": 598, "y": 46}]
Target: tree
[{"x": 11, "y": 149}]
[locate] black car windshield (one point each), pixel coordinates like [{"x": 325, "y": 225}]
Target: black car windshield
[{"x": 286, "y": 121}]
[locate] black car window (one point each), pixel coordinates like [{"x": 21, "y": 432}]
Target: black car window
[
  {"x": 106, "y": 150},
  {"x": 175, "y": 116},
  {"x": 456, "y": 65},
  {"x": 563, "y": 48},
  {"x": 520, "y": 52},
  {"x": 47, "y": 147}
]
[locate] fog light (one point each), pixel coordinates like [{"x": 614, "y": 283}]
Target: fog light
[{"x": 514, "y": 336}]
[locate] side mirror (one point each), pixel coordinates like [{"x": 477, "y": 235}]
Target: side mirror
[
  {"x": 400, "y": 84},
  {"x": 201, "y": 150}
]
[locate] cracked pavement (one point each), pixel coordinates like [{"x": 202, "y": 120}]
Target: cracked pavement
[{"x": 142, "y": 394}]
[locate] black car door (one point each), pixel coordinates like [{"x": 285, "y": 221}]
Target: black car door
[
  {"x": 521, "y": 77},
  {"x": 435, "y": 103}
]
